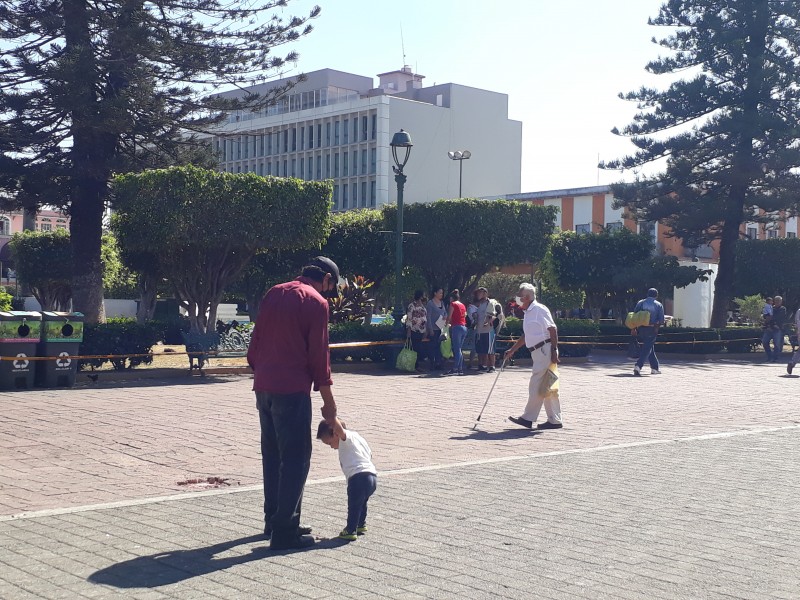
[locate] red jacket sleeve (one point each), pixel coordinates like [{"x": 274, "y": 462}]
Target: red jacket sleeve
[{"x": 319, "y": 356}]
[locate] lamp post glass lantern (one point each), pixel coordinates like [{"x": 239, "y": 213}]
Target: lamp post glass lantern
[
  {"x": 401, "y": 150},
  {"x": 460, "y": 156}
]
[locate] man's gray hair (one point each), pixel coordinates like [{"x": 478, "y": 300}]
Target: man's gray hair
[{"x": 528, "y": 289}]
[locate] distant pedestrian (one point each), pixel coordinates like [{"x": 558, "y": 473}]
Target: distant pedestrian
[
  {"x": 647, "y": 334},
  {"x": 457, "y": 320},
  {"x": 773, "y": 330},
  {"x": 417, "y": 326},
  {"x": 540, "y": 336},
  {"x": 486, "y": 318},
  {"x": 767, "y": 310},
  {"x": 796, "y": 343},
  {"x": 289, "y": 354},
  {"x": 437, "y": 317},
  {"x": 355, "y": 458}
]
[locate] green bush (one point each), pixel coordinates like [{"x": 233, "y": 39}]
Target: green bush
[
  {"x": 569, "y": 330},
  {"x": 750, "y": 335},
  {"x": 118, "y": 336},
  {"x": 6, "y": 299},
  {"x": 169, "y": 330},
  {"x": 356, "y": 332}
]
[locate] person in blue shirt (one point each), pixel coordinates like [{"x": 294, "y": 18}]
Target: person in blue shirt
[{"x": 647, "y": 334}]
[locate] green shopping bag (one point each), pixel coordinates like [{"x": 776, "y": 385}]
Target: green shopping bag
[
  {"x": 407, "y": 359},
  {"x": 446, "y": 346}
]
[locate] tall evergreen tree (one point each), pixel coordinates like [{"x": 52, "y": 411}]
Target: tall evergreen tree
[
  {"x": 93, "y": 87},
  {"x": 728, "y": 126}
]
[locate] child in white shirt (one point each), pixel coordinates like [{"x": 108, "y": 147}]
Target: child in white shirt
[
  {"x": 355, "y": 458},
  {"x": 767, "y": 310}
]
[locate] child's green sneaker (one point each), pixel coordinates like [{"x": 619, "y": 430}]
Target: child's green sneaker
[
  {"x": 362, "y": 530},
  {"x": 346, "y": 535}
]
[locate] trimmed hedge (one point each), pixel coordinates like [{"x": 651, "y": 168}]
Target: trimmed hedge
[
  {"x": 118, "y": 336},
  {"x": 577, "y": 330},
  {"x": 356, "y": 332},
  {"x": 688, "y": 337}
]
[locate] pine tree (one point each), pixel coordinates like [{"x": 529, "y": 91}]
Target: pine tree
[
  {"x": 728, "y": 126},
  {"x": 89, "y": 88}
]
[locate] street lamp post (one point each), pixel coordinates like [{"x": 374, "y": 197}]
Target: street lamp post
[
  {"x": 460, "y": 156},
  {"x": 401, "y": 139}
]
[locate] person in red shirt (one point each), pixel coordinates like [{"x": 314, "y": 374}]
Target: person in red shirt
[
  {"x": 289, "y": 355},
  {"x": 457, "y": 319}
]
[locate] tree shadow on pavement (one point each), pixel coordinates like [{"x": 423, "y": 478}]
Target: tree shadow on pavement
[
  {"x": 506, "y": 434},
  {"x": 166, "y": 568}
]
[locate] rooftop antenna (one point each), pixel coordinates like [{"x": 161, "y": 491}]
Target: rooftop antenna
[{"x": 402, "y": 43}]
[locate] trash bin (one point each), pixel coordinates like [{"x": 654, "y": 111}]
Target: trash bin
[
  {"x": 62, "y": 334},
  {"x": 19, "y": 334}
]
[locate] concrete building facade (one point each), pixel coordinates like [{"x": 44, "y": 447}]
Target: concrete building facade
[{"x": 337, "y": 125}]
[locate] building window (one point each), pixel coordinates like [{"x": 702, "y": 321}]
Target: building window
[
  {"x": 302, "y": 168},
  {"x": 47, "y": 227},
  {"x": 294, "y": 139},
  {"x": 285, "y": 140},
  {"x": 336, "y": 133},
  {"x": 364, "y": 128},
  {"x": 372, "y": 193},
  {"x": 752, "y": 233},
  {"x": 294, "y": 167},
  {"x": 285, "y": 168},
  {"x": 364, "y": 194},
  {"x": 649, "y": 228},
  {"x": 344, "y": 163},
  {"x": 373, "y": 160},
  {"x": 584, "y": 228},
  {"x": 319, "y": 135},
  {"x": 5, "y": 226},
  {"x": 335, "y": 197},
  {"x": 328, "y": 165},
  {"x": 344, "y": 196},
  {"x": 346, "y": 131},
  {"x": 319, "y": 166},
  {"x": 374, "y": 126},
  {"x": 791, "y": 234},
  {"x": 355, "y": 162},
  {"x": 327, "y": 134},
  {"x": 364, "y": 162},
  {"x": 354, "y": 195},
  {"x": 615, "y": 226},
  {"x": 311, "y": 137},
  {"x": 336, "y": 165},
  {"x": 302, "y": 138},
  {"x": 771, "y": 234},
  {"x": 355, "y": 129}
]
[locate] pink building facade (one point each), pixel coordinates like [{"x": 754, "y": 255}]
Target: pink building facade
[{"x": 11, "y": 222}]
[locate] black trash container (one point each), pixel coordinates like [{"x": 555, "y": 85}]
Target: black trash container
[
  {"x": 19, "y": 334},
  {"x": 62, "y": 334}
]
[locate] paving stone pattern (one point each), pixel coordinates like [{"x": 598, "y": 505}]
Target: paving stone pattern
[
  {"x": 101, "y": 443},
  {"x": 715, "y": 519}
]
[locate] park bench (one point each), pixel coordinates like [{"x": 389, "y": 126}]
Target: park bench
[{"x": 204, "y": 346}]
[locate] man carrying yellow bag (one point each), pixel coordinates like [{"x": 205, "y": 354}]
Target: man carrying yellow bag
[{"x": 647, "y": 333}]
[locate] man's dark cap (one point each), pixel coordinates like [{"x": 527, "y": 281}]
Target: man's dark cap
[
  {"x": 652, "y": 293},
  {"x": 327, "y": 265}
]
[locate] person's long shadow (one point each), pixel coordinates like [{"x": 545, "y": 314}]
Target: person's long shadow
[
  {"x": 171, "y": 567},
  {"x": 506, "y": 434}
]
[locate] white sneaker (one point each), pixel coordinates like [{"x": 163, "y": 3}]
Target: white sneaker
[
  {"x": 655, "y": 372},
  {"x": 637, "y": 370}
]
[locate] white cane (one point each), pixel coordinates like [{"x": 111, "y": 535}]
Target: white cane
[{"x": 502, "y": 366}]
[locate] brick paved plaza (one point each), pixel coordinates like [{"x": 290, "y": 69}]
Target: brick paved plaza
[{"x": 684, "y": 485}]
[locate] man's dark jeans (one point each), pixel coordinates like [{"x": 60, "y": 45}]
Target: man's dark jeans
[
  {"x": 647, "y": 336},
  {"x": 776, "y": 337},
  {"x": 285, "y": 458},
  {"x": 359, "y": 488}
]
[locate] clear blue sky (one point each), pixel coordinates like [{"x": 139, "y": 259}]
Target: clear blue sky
[{"x": 562, "y": 63}]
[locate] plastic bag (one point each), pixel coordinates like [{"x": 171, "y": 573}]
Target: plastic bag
[
  {"x": 635, "y": 320},
  {"x": 446, "y": 346},
  {"x": 407, "y": 359},
  {"x": 549, "y": 382}
]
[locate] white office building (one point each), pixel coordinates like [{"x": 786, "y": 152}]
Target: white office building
[{"x": 338, "y": 126}]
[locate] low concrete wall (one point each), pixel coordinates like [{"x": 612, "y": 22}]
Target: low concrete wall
[{"x": 114, "y": 308}]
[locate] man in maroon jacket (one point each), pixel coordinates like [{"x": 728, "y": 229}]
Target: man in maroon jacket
[{"x": 289, "y": 354}]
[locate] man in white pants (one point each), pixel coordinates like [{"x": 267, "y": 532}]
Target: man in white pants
[{"x": 540, "y": 335}]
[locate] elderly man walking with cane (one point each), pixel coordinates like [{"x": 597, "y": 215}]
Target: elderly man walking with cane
[{"x": 540, "y": 336}]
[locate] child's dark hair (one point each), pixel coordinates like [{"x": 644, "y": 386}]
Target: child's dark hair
[
  {"x": 324, "y": 430},
  {"x": 419, "y": 295},
  {"x": 454, "y": 295}
]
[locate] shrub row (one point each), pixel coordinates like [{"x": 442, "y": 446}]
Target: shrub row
[
  {"x": 356, "y": 332},
  {"x": 118, "y": 336},
  {"x": 687, "y": 340},
  {"x": 584, "y": 331}
]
